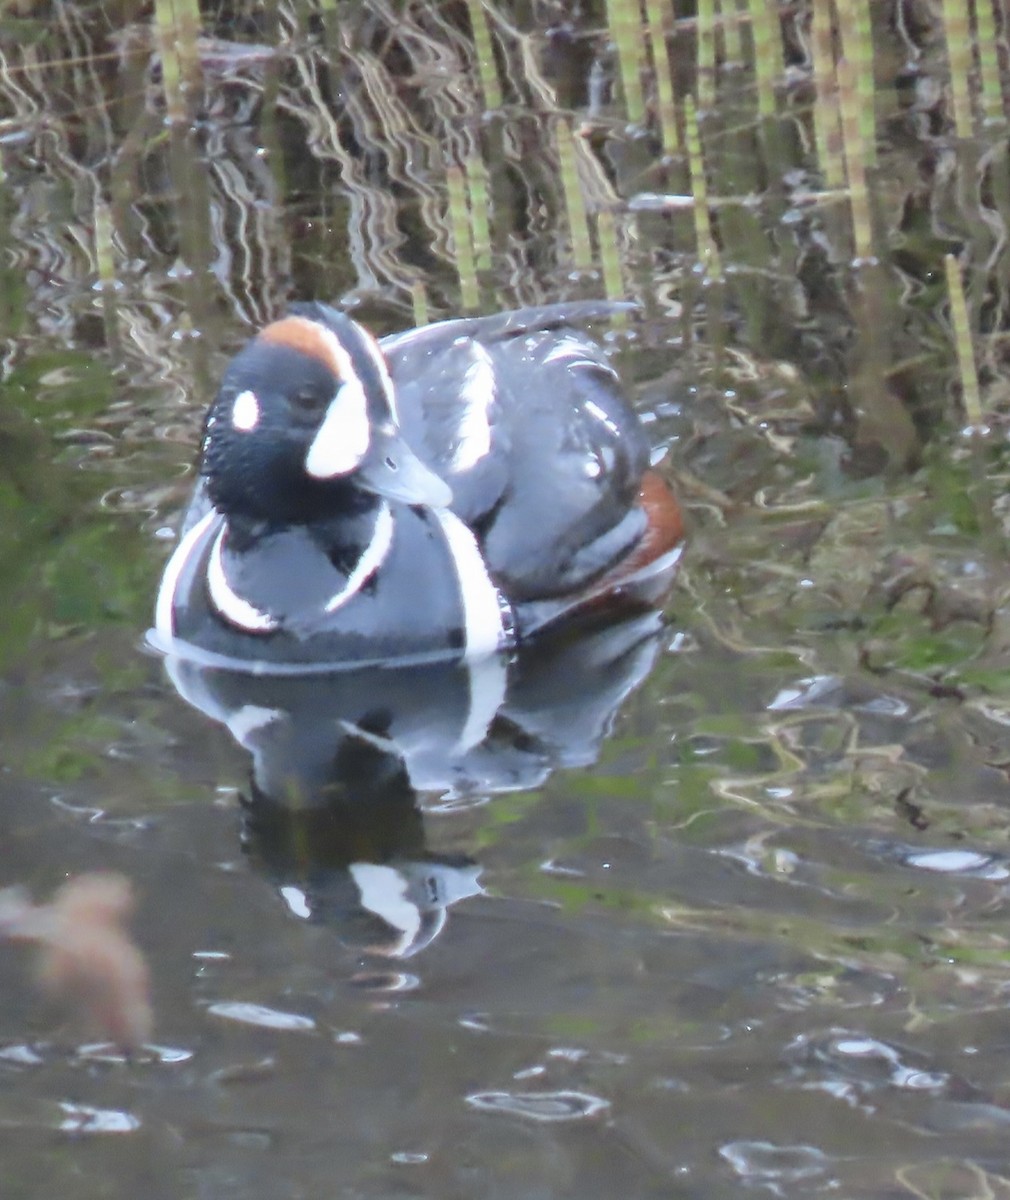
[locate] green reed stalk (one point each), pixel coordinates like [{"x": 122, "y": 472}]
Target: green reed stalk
[
  {"x": 856, "y": 26},
  {"x": 166, "y": 38},
  {"x": 419, "y": 302},
  {"x": 708, "y": 253},
  {"x": 827, "y": 127},
  {"x": 105, "y": 262},
  {"x": 967, "y": 371},
  {"x": 105, "y": 259},
  {"x": 855, "y": 163},
  {"x": 626, "y": 31},
  {"x": 476, "y": 182},
  {"x": 459, "y": 220},
  {"x": 988, "y": 62},
  {"x": 188, "y": 21},
  {"x": 487, "y": 68},
  {"x": 957, "y": 30},
  {"x": 610, "y": 259},
  {"x": 768, "y": 66},
  {"x": 705, "y": 55},
  {"x": 732, "y": 39},
  {"x": 575, "y": 207},
  {"x": 666, "y": 104}
]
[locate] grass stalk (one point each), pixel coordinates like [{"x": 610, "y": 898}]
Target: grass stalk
[
  {"x": 419, "y": 302},
  {"x": 855, "y": 163},
  {"x": 487, "y": 68},
  {"x": 575, "y": 207},
  {"x": 477, "y": 187},
  {"x": 827, "y": 126},
  {"x": 988, "y": 63},
  {"x": 732, "y": 39},
  {"x": 705, "y": 55},
  {"x": 856, "y": 24},
  {"x": 610, "y": 259},
  {"x": 459, "y": 220},
  {"x": 625, "y": 29},
  {"x": 957, "y": 31},
  {"x": 708, "y": 253},
  {"x": 967, "y": 371},
  {"x": 166, "y": 39},
  {"x": 768, "y": 66},
  {"x": 105, "y": 263},
  {"x": 666, "y": 104}
]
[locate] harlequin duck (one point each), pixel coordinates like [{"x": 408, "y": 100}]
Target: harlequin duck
[{"x": 441, "y": 493}]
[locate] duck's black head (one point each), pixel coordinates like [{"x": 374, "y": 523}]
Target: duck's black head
[{"x": 305, "y": 426}]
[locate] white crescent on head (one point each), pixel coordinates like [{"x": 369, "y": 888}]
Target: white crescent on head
[{"x": 342, "y": 439}]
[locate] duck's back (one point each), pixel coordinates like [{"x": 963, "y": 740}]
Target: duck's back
[{"x": 524, "y": 417}]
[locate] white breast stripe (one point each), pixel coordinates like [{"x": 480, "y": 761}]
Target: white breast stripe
[
  {"x": 228, "y": 603},
  {"x": 164, "y": 622},
  {"x": 342, "y": 439},
  {"x": 372, "y": 557},
  {"x": 477, "y": 392},
  {"x": 482, "y": 613}
]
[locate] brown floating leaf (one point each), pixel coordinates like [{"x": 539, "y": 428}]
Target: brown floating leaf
[{"x": 86, "y": 959}]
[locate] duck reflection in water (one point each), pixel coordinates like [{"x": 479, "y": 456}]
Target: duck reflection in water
[{"x": 332, "y": 814}]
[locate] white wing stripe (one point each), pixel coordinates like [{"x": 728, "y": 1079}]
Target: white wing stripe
[{"x": 482, "y": 612}]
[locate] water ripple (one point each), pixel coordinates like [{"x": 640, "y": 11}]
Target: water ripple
[{"x": 540, "y": 1106}]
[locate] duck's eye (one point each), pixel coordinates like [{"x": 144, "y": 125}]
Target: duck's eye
[{"x": 308, "y": 401}]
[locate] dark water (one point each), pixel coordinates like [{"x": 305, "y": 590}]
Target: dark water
[{"x": 746, "y": 934}]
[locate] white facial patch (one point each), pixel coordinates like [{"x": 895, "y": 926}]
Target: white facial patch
[
  {"x": 342, "y": 439},
  {"x": 245, "y": 412},
  {"x": 477, "y": 393}
]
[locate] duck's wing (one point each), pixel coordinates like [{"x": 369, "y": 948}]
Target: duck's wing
[
  {"x": 525, "y": 418},
  {"x": 414, "y": 345}
]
